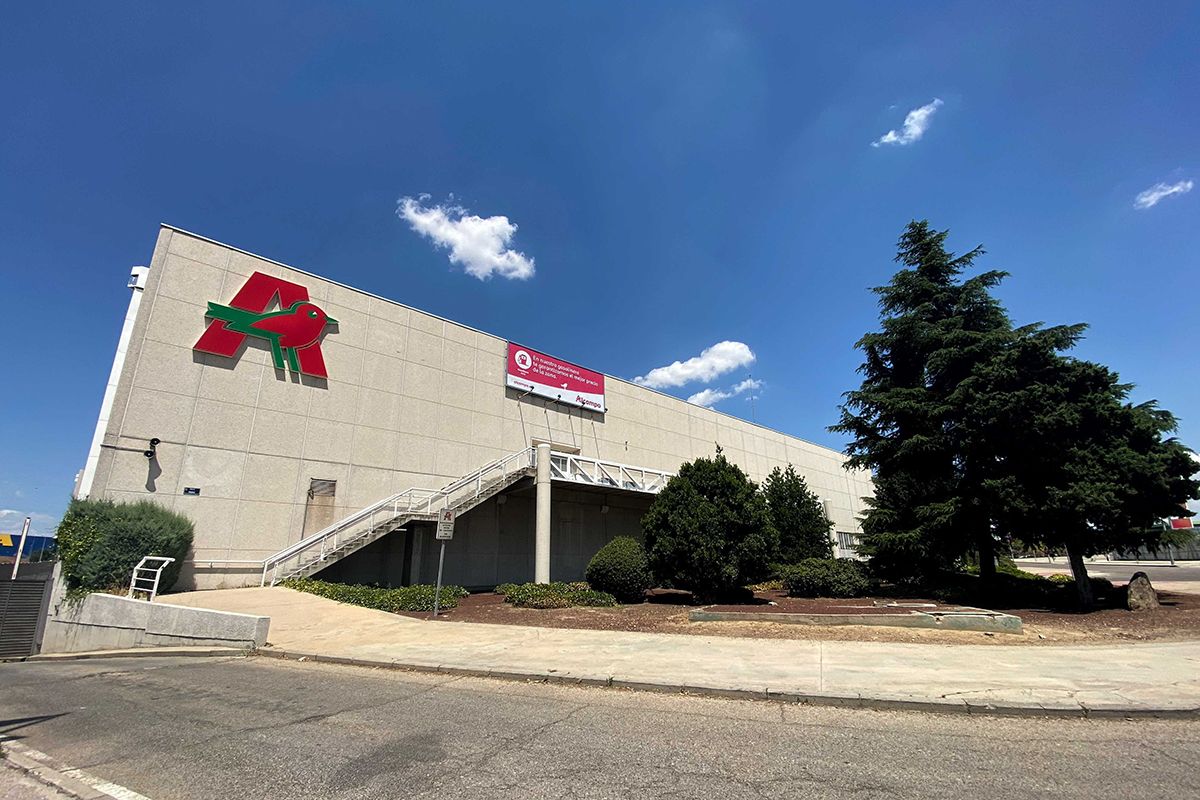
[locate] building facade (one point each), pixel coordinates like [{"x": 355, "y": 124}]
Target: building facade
[{"x": 267, "y": 404}]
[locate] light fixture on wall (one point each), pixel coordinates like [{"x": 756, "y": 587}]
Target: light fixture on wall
[
  {"x": 502, "y": 499},
  {"x": 153, "y": 451},
  {"x": 604, "y": 508}
]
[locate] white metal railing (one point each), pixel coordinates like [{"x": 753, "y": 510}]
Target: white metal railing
[
  {"x": 416, "y": 503},
  {"x": 145, "y": 576},
  {"x": 411, "y": 503},
  {"x": 598, "y": 472}
]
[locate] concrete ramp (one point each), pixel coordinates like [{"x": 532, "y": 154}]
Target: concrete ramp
[{"x": 303, "y": 621}]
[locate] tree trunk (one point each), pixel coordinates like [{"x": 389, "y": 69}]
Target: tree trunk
[
  {"x": 1086, "y": 600},
  {"x": 986, "y": 545}
]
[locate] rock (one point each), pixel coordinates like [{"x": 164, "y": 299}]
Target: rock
[
  {"x": 680, "y": 597},
  {"x": 1140, "y": 595}
]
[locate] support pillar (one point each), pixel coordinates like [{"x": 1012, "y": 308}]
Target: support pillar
[{"x": 541, "y": 539}]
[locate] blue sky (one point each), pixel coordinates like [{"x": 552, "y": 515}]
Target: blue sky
[{"x": 679, "y": 175}]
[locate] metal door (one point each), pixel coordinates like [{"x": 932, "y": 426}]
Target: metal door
[{"x": 22, "y": 609}]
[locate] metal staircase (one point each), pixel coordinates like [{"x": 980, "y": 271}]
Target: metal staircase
[
  {"x": 352, "y": 533},
  {"x": 315, "y": 552}
]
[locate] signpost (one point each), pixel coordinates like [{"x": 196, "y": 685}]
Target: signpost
[
  {"x": 445, "y": 532},
  {"x": 20, "y": 548}
]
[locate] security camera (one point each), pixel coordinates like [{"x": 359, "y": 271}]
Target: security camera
[{"x": 154, "y": 443}]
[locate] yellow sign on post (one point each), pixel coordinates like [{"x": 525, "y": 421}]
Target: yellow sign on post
[{"x": 6, "y": 540}]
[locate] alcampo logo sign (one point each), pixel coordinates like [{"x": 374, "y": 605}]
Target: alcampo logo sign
[{"x": 294, "y": 331}]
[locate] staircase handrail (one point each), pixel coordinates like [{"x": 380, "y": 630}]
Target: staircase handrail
[{"x": 411, "y": 501}]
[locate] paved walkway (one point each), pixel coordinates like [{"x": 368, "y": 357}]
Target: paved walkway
[{"x": 1062, "y": 679}]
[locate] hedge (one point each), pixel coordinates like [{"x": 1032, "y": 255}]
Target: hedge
[
  {"x": 556, "y": 595},
  {"x": 100, "y": 542},
  {"x": 825, "y": 577},
  {"x": 620, "y": 568},
  {"x": 400, "y": 598}
]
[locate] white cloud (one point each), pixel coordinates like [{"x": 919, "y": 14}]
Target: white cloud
[
  {"x": 712, "y": 362},
  {"x": 915, "y": 124},
  {"x": 1160, "y": 191},
  {"x": 710, "y": 397},
  {"x": 11, "y": 521},
  {"x": 480, "y": 244}
]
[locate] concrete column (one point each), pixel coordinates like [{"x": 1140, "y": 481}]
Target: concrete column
[{"x": 541, "y": 537}]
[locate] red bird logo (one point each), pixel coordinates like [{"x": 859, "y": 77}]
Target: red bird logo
[{"x": 288, "y": 330}]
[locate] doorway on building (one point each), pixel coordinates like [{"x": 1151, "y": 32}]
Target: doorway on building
[{"x": 319, "y": 508}]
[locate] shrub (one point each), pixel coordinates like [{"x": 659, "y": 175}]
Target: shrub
[
  {"x": 400, "y": 598},
  {"x": 557, "y": 595},
  {"x": 798, "y": 516},
  {"x": 100, "y": 542},
  {"x": 708, "y": 530},
  {"x": 620, "y": 568},
  {"x": 504, "y": 588},
  {"x": 826, "y": 577}
]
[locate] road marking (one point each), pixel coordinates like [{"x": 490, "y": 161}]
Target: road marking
[{"x": 53, "y": 772}]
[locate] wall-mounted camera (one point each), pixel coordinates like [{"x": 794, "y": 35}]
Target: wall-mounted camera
[{"x": 153, "y": 451}]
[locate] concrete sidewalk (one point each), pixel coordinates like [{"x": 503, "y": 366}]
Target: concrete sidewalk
[{"x": 1153, "y": 678}]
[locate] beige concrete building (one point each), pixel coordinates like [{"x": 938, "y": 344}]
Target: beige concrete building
[{"x": 345, "y": 474}]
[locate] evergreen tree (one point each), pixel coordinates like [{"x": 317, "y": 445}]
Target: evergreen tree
[
  {"x": 797, "y": 514},
  {"x": 708, "y": 530},
  {"x": 1075, "y": 466},
  {"x": 929, "y": 506}
]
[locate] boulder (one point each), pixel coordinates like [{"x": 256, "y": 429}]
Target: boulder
[{"x": 1140, "y": 594}]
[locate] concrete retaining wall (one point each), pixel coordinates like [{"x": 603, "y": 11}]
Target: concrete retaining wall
[{"x": 108, "y": 622}]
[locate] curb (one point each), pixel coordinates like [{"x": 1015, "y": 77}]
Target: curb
[
  {"x": 68, "y": 780},
  {"x": 140, "y": 652},
  {"x": 931, "y": 706}
]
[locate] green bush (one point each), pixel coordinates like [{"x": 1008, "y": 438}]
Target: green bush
[
  {"x": 1018, "y": 589},
  {"x": 620, "y": 568},
  {"x": 400, "y": 598},
  {"x": 708, "y": 530},
  {"x": 825, "y": 577},
  {"x": 505, "y": 588},
  {"x": 798, "y": 515},
  {"x": 100, "y": 542},
  {"x": 557, "y": 595}
]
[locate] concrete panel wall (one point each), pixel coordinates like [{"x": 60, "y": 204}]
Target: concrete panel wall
[
  {"x": 108, "y": 622},
  {"x": 412, "y": 401}
]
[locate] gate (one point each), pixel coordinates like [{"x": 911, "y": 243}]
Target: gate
[{"x": 23, "y": 602}]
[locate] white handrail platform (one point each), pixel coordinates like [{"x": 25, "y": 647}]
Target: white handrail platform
[{"x": 146, "y": 576}]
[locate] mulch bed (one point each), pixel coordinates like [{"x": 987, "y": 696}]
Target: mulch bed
[{"x": 1177, "y": 619}]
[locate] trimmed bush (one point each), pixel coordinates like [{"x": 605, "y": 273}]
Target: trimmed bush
[
  {"x": 504, "y": 588},
  {"x": 100, "y": 542},
  {"x": 400, "y": 598},
  {"x": 620, "y": 568},
  {"x": 708, "y": 530},
  {"x": 825, "y": 577},
  {"x": 557, "y": 595}
]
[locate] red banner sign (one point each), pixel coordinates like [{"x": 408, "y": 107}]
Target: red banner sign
[{"x": 546, "y": 376}]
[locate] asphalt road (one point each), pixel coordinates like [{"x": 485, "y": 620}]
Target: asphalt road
[
  {"x": 1120, "y": 571},
  {"x": 260, "y": 728}
]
